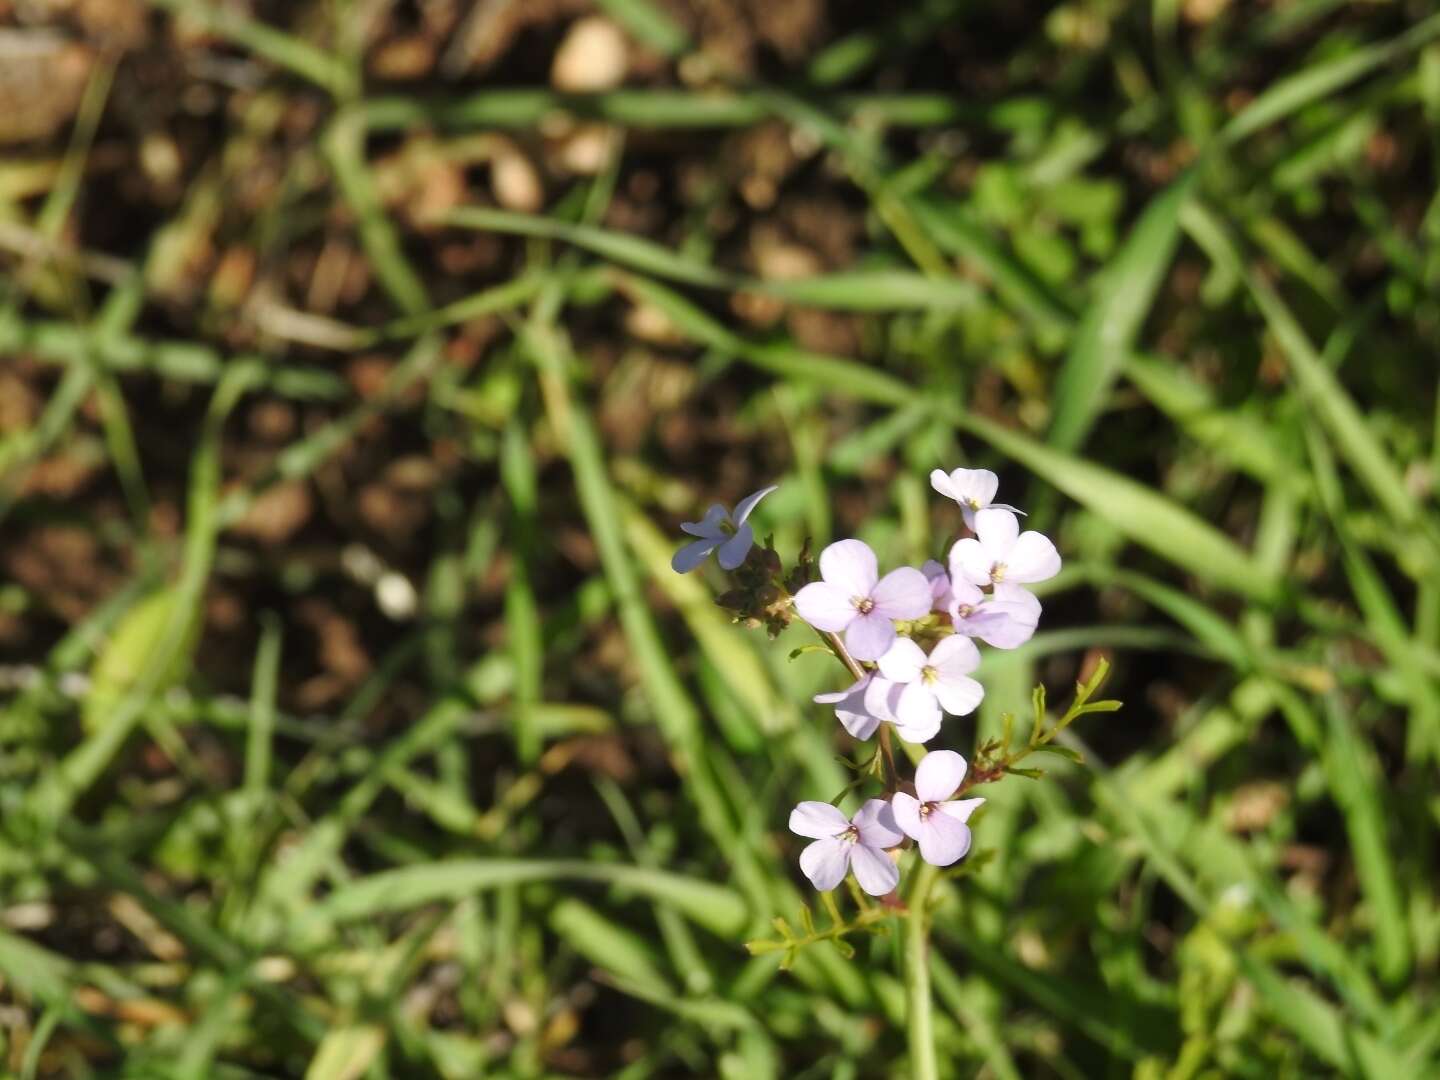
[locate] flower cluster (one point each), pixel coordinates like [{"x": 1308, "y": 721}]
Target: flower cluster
[{"x": 908, "y": 638}]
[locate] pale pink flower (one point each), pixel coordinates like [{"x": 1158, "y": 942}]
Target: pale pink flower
[
  {"x": 854, "y": 598},
  {"x": 938, "y": 681},
  {"x": 864, "y": 705},
  {"x": 719, "y": 528},
  {"x": 938, "y": 826},
  {"x": 843, "y": 844},
  {"x": 1000, "y": 552}
]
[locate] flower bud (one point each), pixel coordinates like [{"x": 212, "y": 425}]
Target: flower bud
[{"x": 735, "y": 599}]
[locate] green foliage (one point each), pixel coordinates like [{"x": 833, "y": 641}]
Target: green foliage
[{"x": 1175, "y": 265}]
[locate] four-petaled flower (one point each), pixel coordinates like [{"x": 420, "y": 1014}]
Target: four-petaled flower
[
  {"x": 938, "y": 681},
  {"x": 1000, "y": 552},
  {"x": 973, "y": 489},
  {"x": 938, "y": 826},
  {"x": 854, "y": 598},
  {"x": 719, "y": 528},
  {"x": 864, "y": 705},
  {"x": 843, "y": 844}
]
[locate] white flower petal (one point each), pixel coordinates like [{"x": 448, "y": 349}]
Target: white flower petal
[
  {"x": 997, "y": 530},
  {"x": 975, "y": 487},
  {"x": 906, "y": 810},
  {"x": 943, "y": 840},
  {"x": 903, "y": 593},
  {"x": 955, "y": 655},
  {"x": 940, "y": 481},
  {"x": 917, "y": 707},
  {"x": 902, "y": 662},
  {"x": 1033, "y": 558},
  {"x": 874, "y": 871},
  {"x": 850, "y": 566},
  {"x": 825, "y": 861},
  {"x": 817, "y": 820},
  {"x": 937, "y": 776},
  {"x": 958, "y": 694},
  {"x": 876, "y": 824},
  {"x": 692, "y": 555},
  {"x": 869, "y": 636},
  {"x": 969, "y": 561},
  {"x": 747, "y": 504},
  {"x": 882, "y": 696},
  {"x": 825, "y": 607},
  {"x": 961, "y": 809},
  {"x": 921, "y": 731},
  {"x": 733, "y": 551}
]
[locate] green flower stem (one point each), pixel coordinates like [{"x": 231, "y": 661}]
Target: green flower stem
[{"x": 919, "y": 1018}]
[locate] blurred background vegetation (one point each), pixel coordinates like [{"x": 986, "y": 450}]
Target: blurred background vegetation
[{"x": 359, "y": 359}]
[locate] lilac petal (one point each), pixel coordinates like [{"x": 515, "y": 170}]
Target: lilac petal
[
  {"x": 817, "y": 820},
  {"x": 983, "y": 622},
  {"x": 1033, "y": 558},
  {"x": 940, "y": 481},
  {"x": 1005, "y": 626},
  {"x": 734, "y": 550},
  {"x": 876, "y": 824},
  {"x": 874, "y": 870},
  {"x": 906, "y": 811},
  {"x": 918, "y": 707},
  {"x": 1008, "y": 618},
  {"x": 709, "y": 525},
  {"x": 943, "y": 840},
  {"x": 969, "y": 561},
  {"x": 825, "y": 861},
  {"x": 903, "y": 594},
  {"x": 940, "y": 592},
  {"x": 961, "y": 809},
  {"x": 958, "y": 694},
  {"x": 955, "y": 655},
  {"x": 825, "y": 607},
  {"x": 692, "y": 555},
  {"x": 1019, "y": 597},
  {"x": 903, "y": 661},
  {"x": 937, "y": 776},
  {"x": 850, "y": 566},
  {"x": 869, "y": 636},
  {"x": 855, "y": 689},
  {"x": 997, "y": 530},
  {"x": 747, "y": 504},
  {"x": 860, "y": 725},
  {"x": 921, "y": 731},
  {"x": 968, "y": 516},
  {"x": 850, "y": 708},
  {"x": 882, "y": 697},
  {"x": 975, "y": 487}
]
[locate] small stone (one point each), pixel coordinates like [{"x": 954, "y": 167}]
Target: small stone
[
  {"x": 593, "y": 57},
  {"x": 515, "y": 181}
]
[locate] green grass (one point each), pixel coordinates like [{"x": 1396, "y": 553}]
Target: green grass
[{"x": 1175, "y": 280}]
